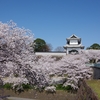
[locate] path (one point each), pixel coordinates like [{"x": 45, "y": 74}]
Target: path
[{"x": 16, "y": 98}]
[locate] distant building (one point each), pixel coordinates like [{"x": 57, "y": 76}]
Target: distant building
[{"x": 73, "y": 45}]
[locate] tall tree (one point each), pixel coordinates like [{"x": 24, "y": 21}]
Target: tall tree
[
  {"x": 17, "y": 56},
  {"x": 41, "y": 46},
  {"x": 94, "y": 46}
]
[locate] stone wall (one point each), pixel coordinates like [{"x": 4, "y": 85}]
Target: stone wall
[{"x": 85, "y": 92}]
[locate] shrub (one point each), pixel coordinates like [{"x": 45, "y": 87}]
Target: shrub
[
  {"x": 7, "y": 86},
  {"x": 26, "y": 86},
  {"x": 61, "y": 87}
]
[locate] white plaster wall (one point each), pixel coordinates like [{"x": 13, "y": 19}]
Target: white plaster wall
[
  {"x": 73, "y": 42},
  {"x": 50, "y": 54}
]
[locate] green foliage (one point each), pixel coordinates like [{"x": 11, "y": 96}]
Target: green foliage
[
  {"x": 40, "y": 45},
  {"x": 94, "y": 46},
  {"x": 26, "y": 86},
  {"x": 7, "y": 86},
  {"x": 61, "y": 87}
]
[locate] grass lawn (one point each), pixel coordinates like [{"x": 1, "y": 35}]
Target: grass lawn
[{"x": 95, "y": 85}]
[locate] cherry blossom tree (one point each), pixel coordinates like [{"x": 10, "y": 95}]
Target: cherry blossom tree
[
  {"x": 20, "y": 65},
  {"x": 17, "y": 57},
  {"x": 72, "y": 67}
]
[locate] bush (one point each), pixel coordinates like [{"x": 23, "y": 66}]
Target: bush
[
  {"x": 61, "y": 87},
  {"x": 7, "y": 86},
  {"x": 26, "y": 86}
]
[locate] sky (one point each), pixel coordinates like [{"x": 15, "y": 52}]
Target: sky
[{"x": 55, "y": 20}]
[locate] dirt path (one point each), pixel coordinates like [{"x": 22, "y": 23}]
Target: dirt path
[
  {"x": 16, "y": 98},
  {"x": 33, "y": 95}
]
